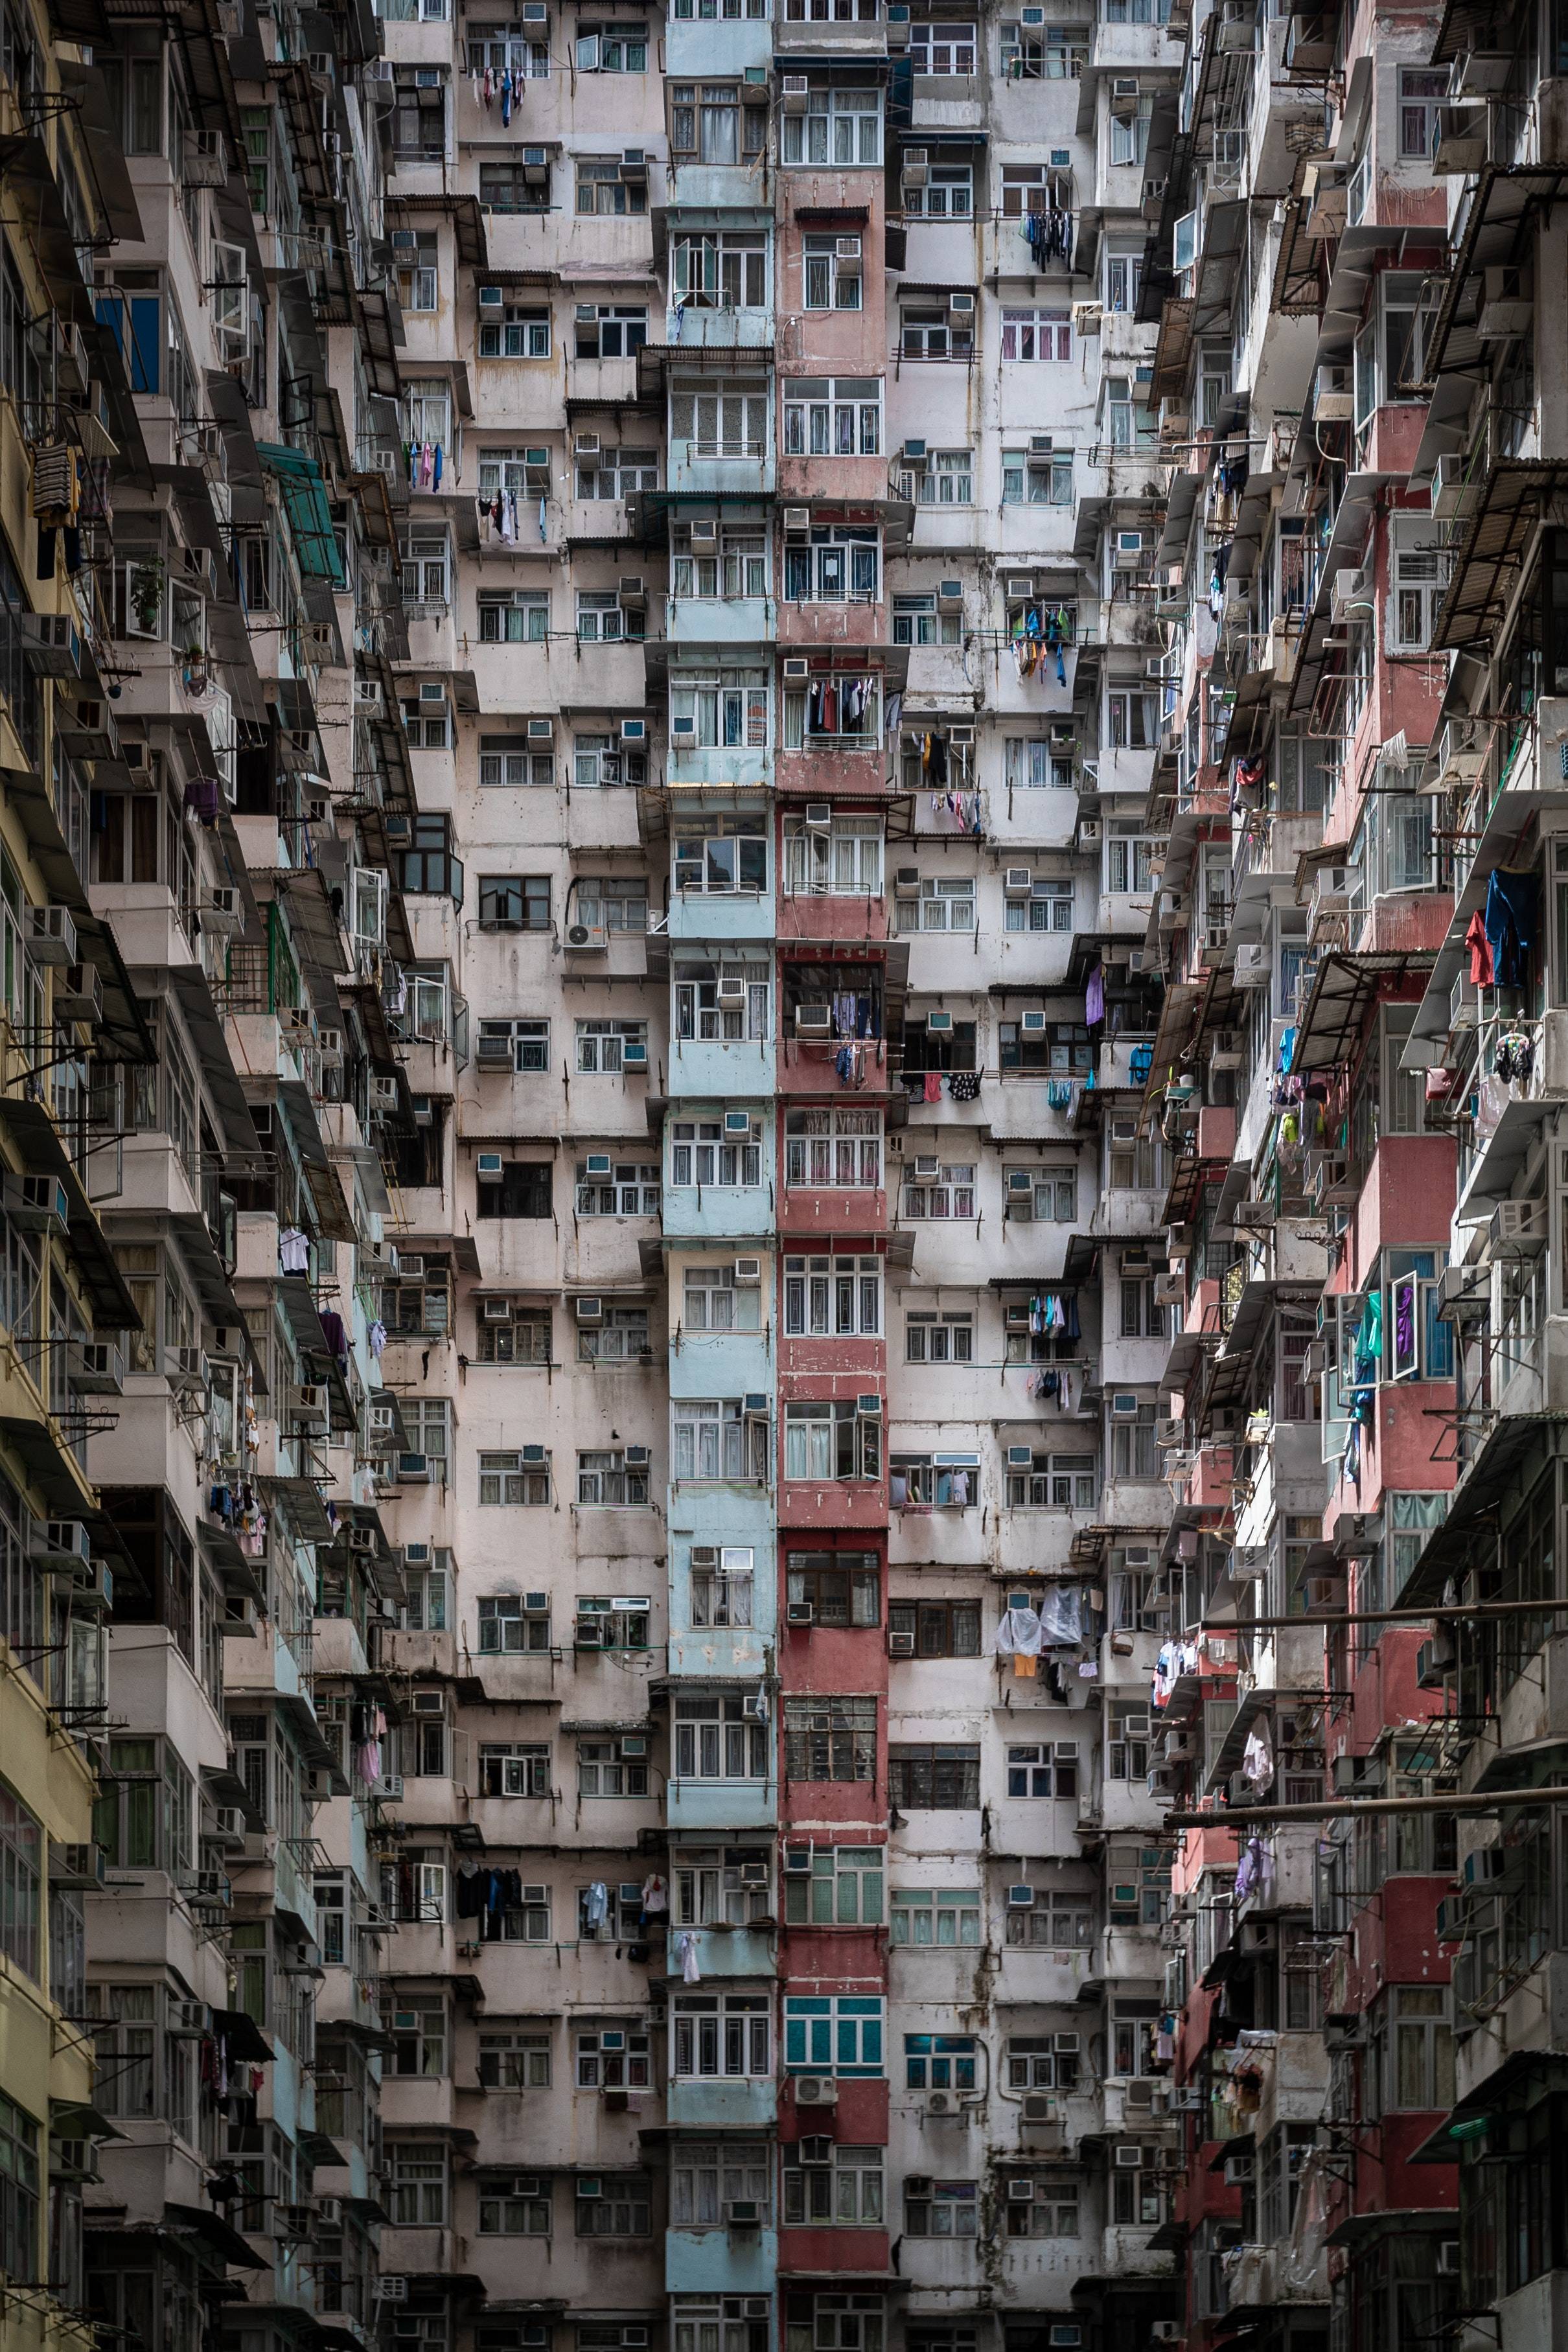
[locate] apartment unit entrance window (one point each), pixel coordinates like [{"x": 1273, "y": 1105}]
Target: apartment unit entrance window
[
  {"x": 940, "y": 2062},
  {"x": 1043, "y": 1767},
  {"x": 727, "y": 1884},
  {"x": 514, "y": 2205},
  {"x": 505, "y": 760},
  {"x": 723, "y": 712},
  {"x": 720, "y": 854},
  {"x": 417, "y": 2185},
  {"x": 949, "y": 190},
  {"x": 608, "y": 331},
  {"x": 929, "y": 334},
  {"x": 838, "y": 564}
]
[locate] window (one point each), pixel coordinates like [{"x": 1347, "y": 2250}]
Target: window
[
  {"x": 949, "y": 190},
  {"x": 514, "y": 2205},
  {"x": 21, "y": 1880},
  {"x": 716, "y": 123},
  {"x": 623, "y": 1624},
  {"x": 917, "y": 622},
  {"x": 1044, "y": 2061},
  {"x": 929, "y": 1777},
  {"x": 935, "y": 335},
  {"x": 601, "y": 1045},
  {"x": 837, "y": 706},
  {"x": 834, "y": 1150},
  {"x": 417, "y": 2185},
  {"x": 737, "y": 565},
  {"x": 840, "y": 126},
  {"x": 942, "y": 49},
  {"x": 523, "y": 1339},
  {"x": 605, "y": 1483},
  {"x": 1047, "y": 908},
  {"x": 719, "y": 858},
  {"x": 719, "y": 420},
  {"x": 630, "y": 1190},
  {"x": 940, "y": 2208},
  {"x": 713, "y": 1302},
  {"x": 827, "y": 1439},
  {"x": 718, "y": 1442},
  {"x": 1036, "y": 335},
  {"x": 841, "y": 2034},
  {"x": 1054, "y": 1481},
  {"x": 504, "y": 762},
  {"x": 1124, "y": 277},
  {"x": 830, "y": 1739},
  {"x": 419, "y": 116},
  {"x": 602, "y": 189},
  {"x": 601, "y": 619},
  {"x": 826, "y": 1297},
  {"x": 699, "y": 1154},
  {"x": 513, "y": 1771},
  {"x": 835, "y": 1886},
  {"x": 1043, "y": 479},
  {"x": 833, "y": 416},
  {"x": 522, "y": 1189},
  {"x": 714, "y": 714},
  {"x": 843, "y": 1589},
  {"x": 514, "y": 903},
  {"x": 1043, "y": 1768},
  {"x": 1419, "y": 577},
  {"x": 717, "y": 1739},
  {"x": 934, "y": 1482},
  {"x": 509, "y": 1622},
  {"x": 515, "y": 333},
  {"x": 520, "y": 617},
  {"x": 1127, "y": 1742},
  {"x": 1137, "y": 1894},
  {"x": 1423, "y": 93},
  {"x": 424, "y": 557},
  {"x": 934, "y": 1629},
  {"x": 608, "y": 331},
  {"x": 832, "y": 273},
  {"x": 1129, "y": 134},
  {"x": 933, "y": 1339},
  {"x": 418, "y": 283},
  {"x": 1421, "y": 2048},
  {"x": 700, "y": 2323},
  {"x": 1057, "y": 1922},
  {"x": 935, "y": 1916},
  {"x": 514, "y": 2061},
  {"x": 1279, "y": 2164},
  {"x": 948, "y": 479},
  {"x": 838, "y": 562},
  {"x": 504, "y": 1478},
  {"x": 143, "y": 1818},
  {"x": 727, "y": 1884},
  {"x": 835, "y": 2323},
  {"x": 948, "y": 1192},
  {"x": 721, "y": 2035},
  {"x": 940, "y": 2062},
  {"x": 840, "y": 2186},
  {"x": 611, "y": 1914},
  {"x": 429, "y": 868},
  {"x": 945, "y": 904},
  {"x": 504, "y": 50},
  {"x": 1052, "y": 1193},
  {"x": 610, "y": 2207},
  {"x": 612, "y": 903},
  {"x": 416, "y": 2027},
  {"x": 512, "y": 186},
  {"x": 611, "y": 47},
  {"x": 616, "y": 473},
  {"x": 1052, "y": 2209},
  {"x": 840, "y": 859},
  {"x": 724, "y": 270},
  {"x": 529, "y": 1043}
]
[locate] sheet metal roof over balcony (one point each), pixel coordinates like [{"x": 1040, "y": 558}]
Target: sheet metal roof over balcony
[
  {"x": 655, "y": 360},
  {"x": 1467, "y": 1535},
  {"x": 1188, "y": 317},
  {"x": 1505, "y": 197},
  {"x": 1345, "y": 987},
  {"x": 1515, "y": 499},
  {"x": 463, "y": 212}
]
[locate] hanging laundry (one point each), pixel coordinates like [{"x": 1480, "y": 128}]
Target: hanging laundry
[
  {"x": 964, "y": 1086},
  {"x": 1094, "y": 997},
  {"x": 294, "y": 1250},
  {"x": 1510, "y": 924}
]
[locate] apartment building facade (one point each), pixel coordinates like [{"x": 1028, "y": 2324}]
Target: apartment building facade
[{"x": 779, "y": 816}]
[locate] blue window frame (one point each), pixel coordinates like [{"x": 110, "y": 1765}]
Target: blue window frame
[{"x": 838, "y": 2034}]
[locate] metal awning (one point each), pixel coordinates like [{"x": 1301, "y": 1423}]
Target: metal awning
[
  {"x": 1506, "y": 196},
  {"x": 1514, "y": 501},
  {"x": 38, "y": 1143},
  {"x": 463, "y": 212},
  {"x": 1452, "y": 1548},
  {"x": 1345, "y": 986}
]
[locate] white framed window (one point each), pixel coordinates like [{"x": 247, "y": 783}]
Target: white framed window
[
  {"x": 840, "y": 562},
  {"x": 507, "y": 760},
  {"x": 930, "y": 1337},
  {"x": 1037, "y": 478},
  {"x": 507, "y": 1478},
  {"x": 833, "y": 416},
  {"x": 833, "y": 1148},
  {"x": 831, "y": 1440},
  {"x": 717, "y": 122},
  {"x": 731, "y": 1007},
  {"x": 1423, "y": 91},
  {"x": 1123, "y": 279},
  {"x": 948, "y": 479},
  {"x": 508, "y": 331},
  {"x": 708, "y": 2178},
  {"x": 520, "y": 617},
  {"x": 1129, "y": 134},
  {"x": 845, "y": 2191},
  {"x": 717, "y": 1739},
  {"x": 832, "y": 272},
  {"x": 723, "y": 712},
  {"x": 425, "y": 557},
  {"x": 1047, "y": 908},
  {"x": 515, "y": 2059},
  {"x": 712, "y": 1301},
  {"x": 719, "y": 420},
  {"x": 722, "y": 1584},
  {"x": 601, "y": 1045},
  {"x": 703, "y": 1152},
  {"x": 736, "y": 566},
  {"x": 514, "y": 1622},
  {"x": 839, "y": 126},
  {"x": 1054, "y": 1481},
  {"x": 612, "y": 2057},
  {"x": 716, "y": 1442},
  {"x": 947, "y": 1192},
  {"x": 720, "y": 269},
  {"x": 925, "y": 334},
  {"x": 616, "y": 473},
  {"x": 946, "y": 903},
  {"x": 1036, "y": 335},
  {"x": 606, "y": 1481},
  {"x": 842, "y": 860},
  {"x": 948, "y": 193},
  {"x": 630, "y": 1190},
  {"x": 1418, "y": 581},
  {"x": 529, "y": 1043},
  {"x": 918, "y": 621},
  {"x": 833, "y": 1297},
  {"x": 717, "y": 2036},
  {"x": 602, "y": 190},
  {"x": 1043, "y": 1767}
]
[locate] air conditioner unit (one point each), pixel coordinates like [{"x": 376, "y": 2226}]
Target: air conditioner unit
[
  {"x": 35, "y": 1204},
  {"x": 795, "y": 91},
  {"x": 1088, "y": 834},
  {"x": 590, "y": 1310},
  {"x": 950, "y": 592},
  {"x": 731, "y": 989},
  {"x": 939, "y": 2103},
  {"x": 900, "y": 1644},
  {"x": 815, "y": 2091},
  {"x": 52, "y": 644},
  {"x": 1020, "y": 2192},
  {"x": 589, "y": 1633},
  {"x": 413, "y": 1469},
  {"x": 747, "y": 1273},
  {"x": 634, "y": 1054},
  {"x": 489, "y": 1168},
  {"x": 799, "y": 1612},
  {"x": 914, "y": 167},
  {"x": 1124, "y": 97},
  {"x": 961, "y": 306},
  {"x": 704, "y": 532},
  {"x": 1128, "y": 2156},
  {"x": 1040, "y": 2107},
  {"x": 1017, "y": 882},
  {"x": 939, "y": 1024},
  {"x": 755, "y": 1405},
  {"x": 1254, "y": 967},
  {"x": 820, "y": 815},
  {"x": 495, "y": 1310},
  {"x": 1033, "y": 1023},
  {"x": 51, "y": 935},
  {"x": 1522, "y": 1223},
  {"x": 797, "y": 667},
  {"x": 797, "y": 522},
  {"x": 814, "y": 1019}
]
